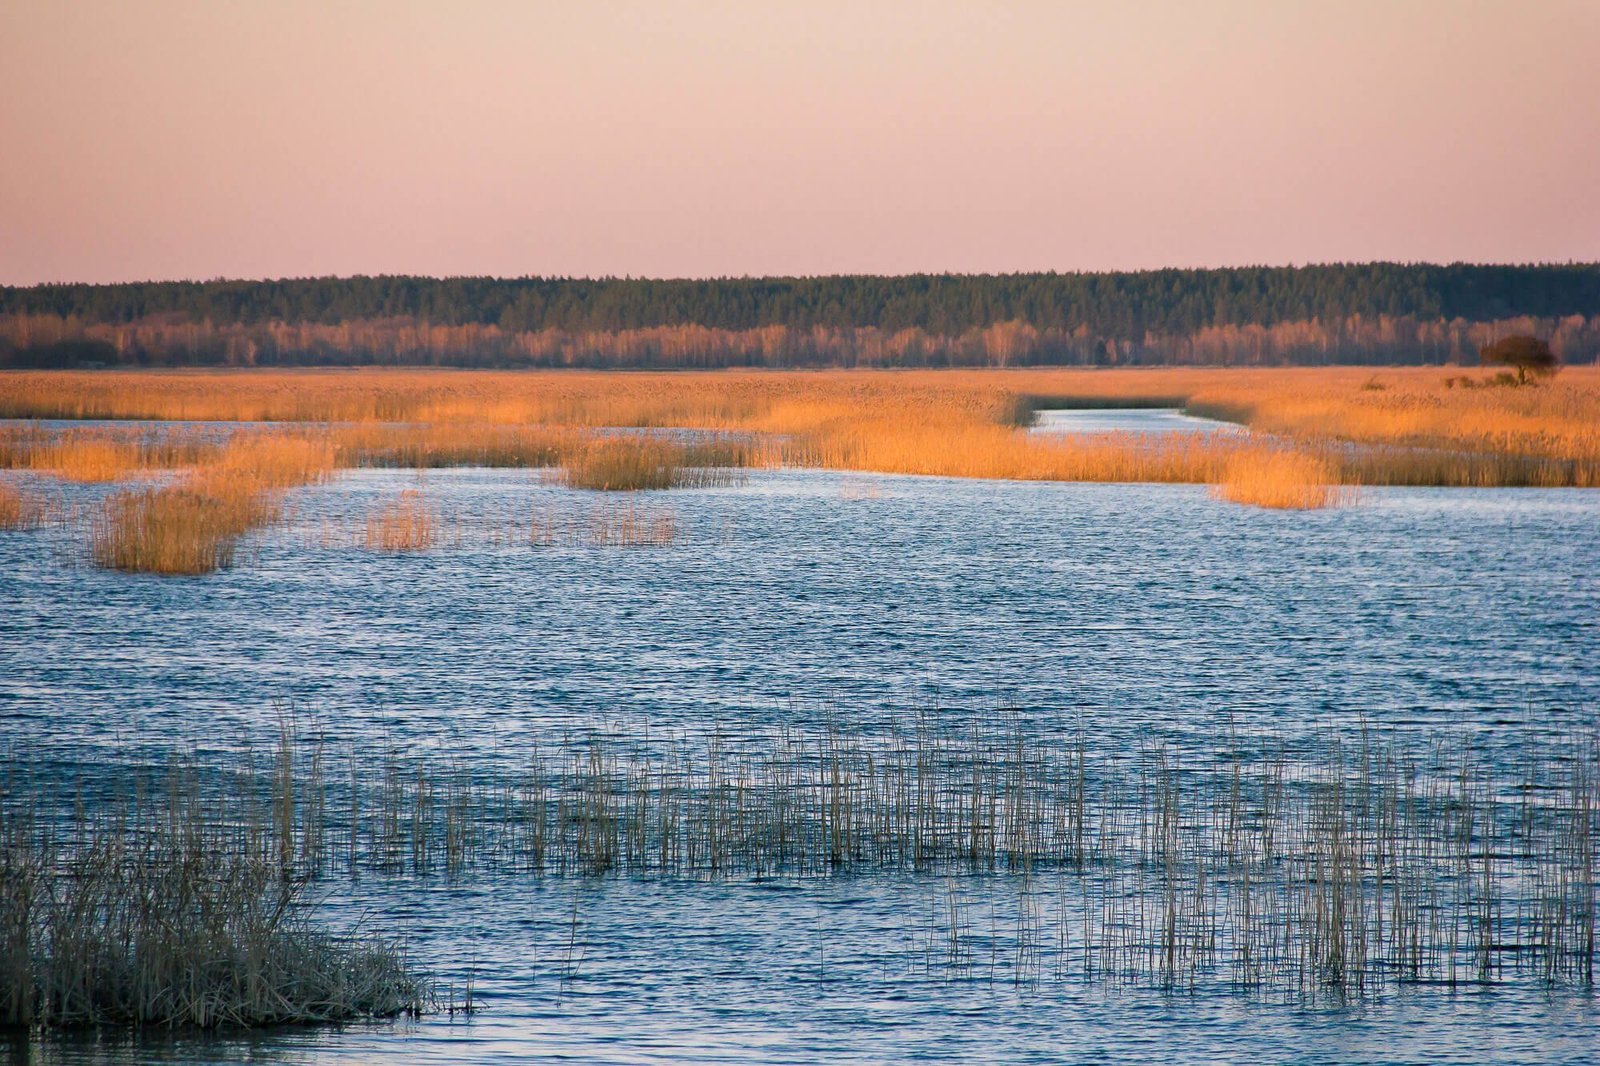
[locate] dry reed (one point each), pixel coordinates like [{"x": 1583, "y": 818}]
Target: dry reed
[
  {"x": 19, "y": 510},
  {"x": 1279, "y": 479},
  {"x": 1401, "y": 426},
  {"x": 635, "y": 462},
  {"x": 99, "y": 454},
  {"x": 405, "y": 524},
  {"x": 182, "y": 529},
  {"x": 194, "y": 526}
]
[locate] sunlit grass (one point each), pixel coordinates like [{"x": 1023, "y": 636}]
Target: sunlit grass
[
  {"x": 1279, "y": 479},
  {"x": 194, "y": 525},
  {"x": 636, "y": 462},
  {"x": 88, "y": 459},
  {"x": 623, "y": 464},
  {"x": 99, "y": 455},
  {"x": 189, "y": 528},
  {"x": 1316, "y": 432},
  {"x": 19, "y": 510},
  {"x": 406, "y": 524}
]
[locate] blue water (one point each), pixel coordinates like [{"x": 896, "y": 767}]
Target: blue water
[
  {"x": 1137, "y": 609},
  {"x": 1127, "y": 420}
]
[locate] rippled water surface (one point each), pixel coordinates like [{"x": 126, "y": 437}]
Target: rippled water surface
[{"x": 1134, "y": 609}]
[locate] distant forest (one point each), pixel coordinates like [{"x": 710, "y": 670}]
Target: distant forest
[{"x": 1348, "y": 313}]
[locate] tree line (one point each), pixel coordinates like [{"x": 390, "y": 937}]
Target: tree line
[{"x": 1342, "y": 313}]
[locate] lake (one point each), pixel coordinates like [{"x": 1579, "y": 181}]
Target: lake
[{"x": 1128, "y": 612}]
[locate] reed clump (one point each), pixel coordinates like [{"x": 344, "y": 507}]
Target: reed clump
[
  {"x": 159, "y": 916},
  {"x": 186, "y": 529},
  {"x": 623, "y": 465},
  {"x": 88, "y": 459},
  {"x": 194, "y": 525},
  {"x": 99, "y": 455},
  {"x": 405, "y": 524},
  {"x": 641, "y": 462},
  {"x": 19, "y": 510},
  {"x": 274, "y": 460},
  {"x": 1280, "y": 479}
]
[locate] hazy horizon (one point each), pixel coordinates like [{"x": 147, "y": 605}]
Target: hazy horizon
[
  {"x": 194, "y": 280},
  {"x": 182, "y": 140}
]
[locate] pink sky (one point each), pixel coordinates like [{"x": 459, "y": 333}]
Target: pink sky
[{"x": 203, "y": 138}]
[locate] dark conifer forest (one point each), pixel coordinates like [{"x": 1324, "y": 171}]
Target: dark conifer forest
[{"x": 1316, "y": 315}]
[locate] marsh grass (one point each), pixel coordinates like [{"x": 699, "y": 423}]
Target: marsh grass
[
  {"x": 1346, "y": 862},
  {"x": 408, "y": 523},
  {"x": 623, "y": 465},
  {"x": 424, "y": 446},
  {"x": 19, "y": 510},
  {"x": 194, "y": 525},
  {"x": 88, "y": 459},
  {"x": 1316, "y": 433},
  {"x": 1280, "y": 479},
  {"x": 185, "y": 529},
  {"x": 1404, "y": 427},
  {"x": 151, "y": 913},
  {"x": 99, "y": 455},
  {"x": 635, "y": 462}
]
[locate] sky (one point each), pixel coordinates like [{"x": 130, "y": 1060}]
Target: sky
[{"x": 159, "y": 139}]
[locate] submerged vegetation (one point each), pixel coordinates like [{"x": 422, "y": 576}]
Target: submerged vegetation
[{"x": 630, "y": 525}]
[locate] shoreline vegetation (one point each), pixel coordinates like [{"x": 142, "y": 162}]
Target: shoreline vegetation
[
  {"x": 1315, "y": 436},
  {"x": 1309, "y": 864}
]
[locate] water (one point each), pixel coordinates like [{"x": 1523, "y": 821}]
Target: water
[
  {"x": 1136, "y": 609},
  {"x": 1128, "y": 420}
]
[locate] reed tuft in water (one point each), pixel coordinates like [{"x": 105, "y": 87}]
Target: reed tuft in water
[
  {"x": 19, "y": 510},
  {"x": 155, "y": 915},
  {"x": 1280, "y": 479},
  {"x": 405, "y": 524},
  {"x": 189, "y": 528}
]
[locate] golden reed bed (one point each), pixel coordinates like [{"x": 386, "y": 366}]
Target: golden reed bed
[
  {"x": 1401, "y": 407},
  {"x": 1317, "y": 433}
]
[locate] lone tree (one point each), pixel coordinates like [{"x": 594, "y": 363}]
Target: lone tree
[{"x": 1529, "y": 355}]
